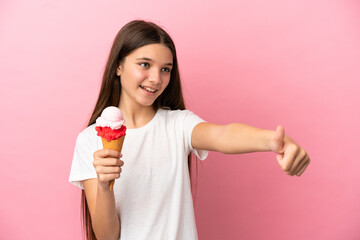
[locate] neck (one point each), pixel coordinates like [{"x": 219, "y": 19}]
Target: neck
[{"x": 136, "y": 116}]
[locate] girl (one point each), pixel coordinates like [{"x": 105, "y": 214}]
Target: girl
[{"x": 152, "y": 198}]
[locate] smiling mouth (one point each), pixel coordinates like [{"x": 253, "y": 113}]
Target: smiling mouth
[{"x": 151, "y": 90}]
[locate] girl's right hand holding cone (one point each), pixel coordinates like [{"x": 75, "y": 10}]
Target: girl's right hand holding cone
[
  {"x": 99, "y": 197},
  {"x": 107, "y": 164}
]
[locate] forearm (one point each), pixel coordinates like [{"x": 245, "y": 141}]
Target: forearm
[
  {"x": 242, "y": 138},
  {"x": 105, "y": 222}
]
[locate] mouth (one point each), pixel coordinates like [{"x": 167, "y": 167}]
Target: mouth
[{"x": 148, "y": 89}]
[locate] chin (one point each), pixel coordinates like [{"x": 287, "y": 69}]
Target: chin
[{"x": 146, "y": 103}]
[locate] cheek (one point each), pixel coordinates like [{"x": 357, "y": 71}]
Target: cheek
[
  {"x": 138, "y": 74},
  {"x": 165, "y": 81},
  {"x": 134, "y": 75}
]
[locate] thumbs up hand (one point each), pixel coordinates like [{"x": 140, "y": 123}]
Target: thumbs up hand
[{"x": 292, "y": 158}]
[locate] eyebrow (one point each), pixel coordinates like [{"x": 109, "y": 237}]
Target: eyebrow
[{"x": 150, "y": 60}]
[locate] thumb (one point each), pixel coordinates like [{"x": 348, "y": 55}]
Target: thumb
[{"x": 279, "y": 139}]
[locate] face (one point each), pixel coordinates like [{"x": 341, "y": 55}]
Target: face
[{"x": 145, "y": 73}]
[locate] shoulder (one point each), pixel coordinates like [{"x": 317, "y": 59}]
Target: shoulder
[
  {"x": 87, "y": 135},
  {"x": 175, "y": 114},
  {"x": 185, "y": 119}
]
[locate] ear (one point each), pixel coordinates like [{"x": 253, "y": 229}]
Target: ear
[{"x": 118, "y": 70}]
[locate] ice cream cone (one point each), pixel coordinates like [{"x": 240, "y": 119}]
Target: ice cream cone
[
  {"x": 115, "y": 145},
  {"x": 110, "y": 127}
]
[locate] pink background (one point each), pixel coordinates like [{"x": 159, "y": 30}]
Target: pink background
[{"x": 295, "y": 63}]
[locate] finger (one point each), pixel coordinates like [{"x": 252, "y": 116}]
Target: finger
[
  {"x": 108, "y": 170},
  {"x": 121, "y": 163},
  {"x": 108, "y": 162},
  {"x": 103, "y": 153},
  {"x": 113, "y": 162},
  {"x": 288, "y": 158},
  {"x": 279, "y": 158},
  {"x": 303, "y": 169},
  {"x": 300, "y": 158},
  {"x": 304, "y": 160},
  {"x": 108, "y": 177},
  {"x": 279, "y": 138}
]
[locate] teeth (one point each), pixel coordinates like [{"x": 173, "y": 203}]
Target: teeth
[{"x": 148, "y": 89}]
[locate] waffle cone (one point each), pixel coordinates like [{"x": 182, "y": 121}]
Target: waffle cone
[{"x": 115, "y": 145}]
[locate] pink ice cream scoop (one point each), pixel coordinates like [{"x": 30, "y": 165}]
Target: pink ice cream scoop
[{"x": 110, "y": 124}]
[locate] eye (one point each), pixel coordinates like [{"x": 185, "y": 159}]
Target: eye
[
  {"x": 165, "y": 69},
  {"x": 144, "y": 64}
]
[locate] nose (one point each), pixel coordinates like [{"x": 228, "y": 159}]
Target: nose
[{"x": 155, "y": 77}]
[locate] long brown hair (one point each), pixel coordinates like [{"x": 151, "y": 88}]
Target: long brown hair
[{"x": 133, "y": 35}]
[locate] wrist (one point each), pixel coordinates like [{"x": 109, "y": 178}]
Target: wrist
[
  {"x": 269, "y": 140},
  {"x": 103, "y": 186}
]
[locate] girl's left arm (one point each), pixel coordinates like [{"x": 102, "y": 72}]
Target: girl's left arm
[{"x": 237, "y": 138}]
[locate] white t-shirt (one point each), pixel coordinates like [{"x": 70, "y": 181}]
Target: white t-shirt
[{"x": 153, "y": 194}]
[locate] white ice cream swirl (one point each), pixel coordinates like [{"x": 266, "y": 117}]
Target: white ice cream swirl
[{"x": 110, "y": 117}]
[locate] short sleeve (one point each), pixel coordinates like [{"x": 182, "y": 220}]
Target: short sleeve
[
  {"x": 190, "y": 121},
  {"x": 82, "y": 165}
]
